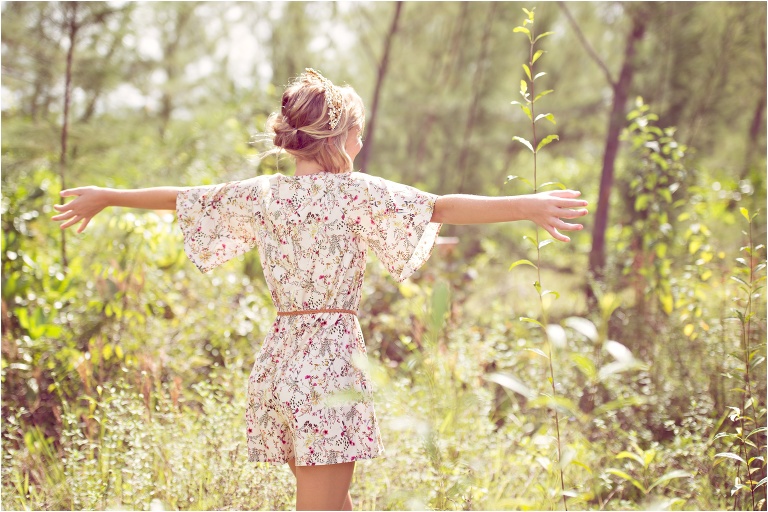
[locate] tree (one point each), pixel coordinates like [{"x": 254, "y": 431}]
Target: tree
[{"x": 620, "y": 88}]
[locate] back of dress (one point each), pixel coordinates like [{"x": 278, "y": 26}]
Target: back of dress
[
  {"x": 309, "y": 395},
  {"x": 312, "y": 232}
]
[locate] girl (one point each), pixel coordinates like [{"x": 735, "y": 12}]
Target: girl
[{"x": 309, "y": 398}]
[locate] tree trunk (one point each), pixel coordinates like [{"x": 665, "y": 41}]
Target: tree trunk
[
  {"x": 72, "y": 27},
  {"x": 616, "y": 122},
  {"x": 383, "y": 65},
  {"x": 476, "y": 95}
]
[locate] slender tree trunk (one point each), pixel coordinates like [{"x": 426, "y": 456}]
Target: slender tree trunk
[
  {"x": 616, "y": 122},
  {"x": 72, "y": 27},
  {"x": 476, "y": 95},
  {"x": 383, "y": 65}
]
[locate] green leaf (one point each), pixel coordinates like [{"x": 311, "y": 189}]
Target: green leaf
[
  {"x": 527, "y": 71},
  {"x": 510, "y": 382},
  {"x": 641, "y": 203},
  {"x": 628, "y": 478},
  {"x": 552, "y": 184},
  {"x": 523, "y": 142},
  {"x": 538, "y": 351},
  {"x": 543, "y": 93},
  {"x": 538, "y": 75},
  {"x": 678, "y": 473},
  {"x": 523, "y": 30},
  {"x": 667, "y": 302},
  {"x": 557, "y": 403},
  {"x": 630, "y": 455},
  {"x": 536, "y": 55},
  {"x": 729, "y": 455},
  {"x": 529, "y": 13},
  {"x": 531, "y": 321},
  {"x": 583, "y": 326},
  {"x": 523, "y": 87},
  {"x": 545, "y": 243},
  {"x": 526, "y": 110},
  {"x": 585, "y": 365},
  {"x": 540, "y": 36},
  {"x": 524, "y": 180},
  {"x": 530, "y": 240},
  {"x": 522, "y": 262},
  {"x": 745, "y": 213},
  {"x": 546, "y": 140},
  {"x": 549, "y": 117}
]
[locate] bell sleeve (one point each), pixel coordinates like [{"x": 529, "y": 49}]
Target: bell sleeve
[
  {"x": 218, "y": 222},
  {"x": 399, "y": 228}
]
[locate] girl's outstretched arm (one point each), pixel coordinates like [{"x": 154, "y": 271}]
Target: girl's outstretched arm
[
  {"x": 547, "y": 209},
  {"x": 91, "y": 200}
]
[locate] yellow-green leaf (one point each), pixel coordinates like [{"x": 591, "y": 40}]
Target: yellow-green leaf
[
  {"x": 745, "y": 213},
  {"x": 549, "y": 117},
  {"x": 667, "y": 303},
  {"x": 525, "y": 31},
  {"x": 545, "y": 34},
  {"x": 524, "y": 142},
  {"x": 625, "y": 476},
  {"x": 688, "y": 330},
  {"x": 527, "y": 71},
  {"x": 522, "y": 262},
  {"x": 546, "y": 140},
  {"x": 536, "y": 56},
  {"x": 543, "y": 93},
  {"x": 523, "y": 87},
  {"x": 529, "y": 13}
]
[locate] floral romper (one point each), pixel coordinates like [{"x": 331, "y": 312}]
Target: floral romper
[{"x": 309, "y": 395}]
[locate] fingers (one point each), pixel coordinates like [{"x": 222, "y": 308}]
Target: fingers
[
  {"x": 571, "y": 203},
  {"x": 71, "y": 192},
  {"x": 70, "y": 222},
  {"x": 84, "y": 224},
  {"x": 567, "y": 213},
  {"x": 63, "y": 216},
  {"x": 558, "y": 236},
  {"x": 568, "y": 226},
  {"x": 565, "y": 193}
]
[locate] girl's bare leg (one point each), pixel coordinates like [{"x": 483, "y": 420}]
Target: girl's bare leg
[{"x": 323, "y": 487}]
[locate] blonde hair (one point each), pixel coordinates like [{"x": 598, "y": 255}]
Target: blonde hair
[{"x": 302, "y": 129}]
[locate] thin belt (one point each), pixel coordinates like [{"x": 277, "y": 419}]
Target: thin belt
[{"x": 313, "y": 311}]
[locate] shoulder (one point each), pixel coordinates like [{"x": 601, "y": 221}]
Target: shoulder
[{"x": 373, "y": 184}]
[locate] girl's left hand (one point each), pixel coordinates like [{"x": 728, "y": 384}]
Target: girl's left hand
[
  {"x": 547, "y": 209},
  {"x": 89, "y": 202}
]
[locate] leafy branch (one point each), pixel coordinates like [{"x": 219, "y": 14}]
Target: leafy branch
[{"x": 535, "y": 145}]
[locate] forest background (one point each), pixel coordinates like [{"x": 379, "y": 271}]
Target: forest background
[{"x": 625, "y": 370}]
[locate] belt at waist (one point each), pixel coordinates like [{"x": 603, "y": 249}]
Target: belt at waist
[{"x": 313, "y": 311}]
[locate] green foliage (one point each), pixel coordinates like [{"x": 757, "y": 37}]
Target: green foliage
[
  {"x": 746, "y": 439},
  {"x": 657, "y": 193}
]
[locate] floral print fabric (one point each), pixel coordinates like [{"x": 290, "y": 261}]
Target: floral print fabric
[{"x": 309, "y": 396}]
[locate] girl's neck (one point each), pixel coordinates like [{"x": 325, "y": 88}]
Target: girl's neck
[{"x": 304, "y": 167}]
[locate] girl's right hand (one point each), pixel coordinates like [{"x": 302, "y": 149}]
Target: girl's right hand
[
  {"x": 548, "y": 209},
  {"x": 89, "y": 202}
]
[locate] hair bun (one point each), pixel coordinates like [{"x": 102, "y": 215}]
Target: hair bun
[{"x": 286, "y": 136}]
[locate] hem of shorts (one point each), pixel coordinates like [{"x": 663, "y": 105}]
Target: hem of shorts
[{"x": 343, "y": 461}]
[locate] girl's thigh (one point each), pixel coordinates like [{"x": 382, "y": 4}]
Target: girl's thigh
[{"x": 323, "y": 487}]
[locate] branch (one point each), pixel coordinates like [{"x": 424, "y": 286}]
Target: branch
[{"x": 586, "y": 44}]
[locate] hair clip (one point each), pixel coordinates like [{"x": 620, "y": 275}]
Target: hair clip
[{"x": 333, "y": 97}]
